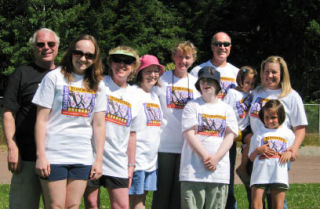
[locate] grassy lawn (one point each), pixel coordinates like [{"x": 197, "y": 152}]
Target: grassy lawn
[{"x": 299, "y": 196}]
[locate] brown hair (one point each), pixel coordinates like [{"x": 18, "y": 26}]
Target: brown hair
[
  {"x": 93, "y": 75},
  {"x": 275, "y": 106},
  {"x": 139, "y": 77},
  {"x": 244, "y": 72}
]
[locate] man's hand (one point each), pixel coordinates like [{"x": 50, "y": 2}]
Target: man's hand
[{"x": 14, "y": 162}]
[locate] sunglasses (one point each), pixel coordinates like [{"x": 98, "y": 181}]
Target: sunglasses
[
  {"x": 51, "y": 44},
  {"x": 79, "y": 54},
  {"x": 123, "y": 59},
  {"x": 219, "y": 44}
]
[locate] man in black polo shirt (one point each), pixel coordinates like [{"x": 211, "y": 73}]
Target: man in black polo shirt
[{"x": 19, "y": 118}]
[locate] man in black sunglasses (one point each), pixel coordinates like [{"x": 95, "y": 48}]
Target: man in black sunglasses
[
  {"x": 221, "y": 48},
  {"x": 19, "y": 118}
]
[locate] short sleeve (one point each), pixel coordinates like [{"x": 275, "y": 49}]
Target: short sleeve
[
  {"x": 297, "y": 114},
  {"x": 45, "y": 93},
  {"x": 254, "y": 144},
  {"x": 11, "y": 93},
  {"x": 101, "y": 98},
  {"x": 137, "y": 121},
  {"x": 231, "y": 120},
  {"x": 189, "y": 116}
]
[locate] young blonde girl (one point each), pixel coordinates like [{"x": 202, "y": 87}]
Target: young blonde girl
[{"x": 268, "y": 151}]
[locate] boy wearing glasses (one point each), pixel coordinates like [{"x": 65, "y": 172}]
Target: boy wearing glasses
[
  {"x": 19, "y": 118},
  {"x": 221, "y": 47}
]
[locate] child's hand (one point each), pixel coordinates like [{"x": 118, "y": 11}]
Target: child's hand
[
  {"x": 285, "y": 157},
  {"x": 266, "y": 151},
  {"x": 211, "y": 162}
]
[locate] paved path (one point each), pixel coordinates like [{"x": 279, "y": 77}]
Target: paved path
[{"x": 306, "y": 169}]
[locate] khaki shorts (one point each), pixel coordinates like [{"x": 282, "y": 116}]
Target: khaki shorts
[
  {"x": 269, "y": 187},
  {"x": 25, "y": 189}
]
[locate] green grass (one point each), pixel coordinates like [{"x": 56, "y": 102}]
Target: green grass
[
  {"x": 299, "y": 196},
  {"x": 311, "y": 140}
]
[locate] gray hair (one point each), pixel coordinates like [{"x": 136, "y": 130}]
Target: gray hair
[{"x": 32, "y": 40}]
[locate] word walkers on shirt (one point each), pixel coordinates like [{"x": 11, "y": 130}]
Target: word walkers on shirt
[
  {"x": 118, "y": 111},
  {"x": 177, "y": 97},
  {"x": 211, "y": 125},
  {"x": 77, "y": 101},
  {"x": 153, "y": 114}
]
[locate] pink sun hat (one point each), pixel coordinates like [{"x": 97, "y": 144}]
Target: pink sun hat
[{"x": 147, "y": 60}]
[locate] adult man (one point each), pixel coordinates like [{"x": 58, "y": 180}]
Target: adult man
[
  {"x": 221, "y": 47},
  {"x": 19, "y": 119}
]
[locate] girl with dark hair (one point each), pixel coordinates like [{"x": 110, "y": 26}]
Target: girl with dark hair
[{"x": 268, "y": 151}]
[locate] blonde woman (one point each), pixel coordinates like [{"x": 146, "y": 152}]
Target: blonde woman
[{"x": 275, "y": 84}]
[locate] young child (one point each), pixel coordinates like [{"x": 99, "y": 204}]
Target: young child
[
  {"x": 240, "y": 100},
  {"x": 209, "y": 126},
  {"x": 268, "y": 151}
]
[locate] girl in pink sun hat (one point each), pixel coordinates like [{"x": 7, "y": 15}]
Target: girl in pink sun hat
[
  {"x": 148, "y": 139},
  {"x": 148, "y": 60}
]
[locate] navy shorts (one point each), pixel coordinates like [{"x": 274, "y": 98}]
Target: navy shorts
[
  {"x": 112, "y": 182},
  {"x": 74, "y": 171}
]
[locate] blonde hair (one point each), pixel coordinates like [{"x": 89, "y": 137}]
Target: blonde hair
[
  {"x": 284, "y": 74},
  {"x": 134, "y": 65},
  {"x": 185, "y": 47}
]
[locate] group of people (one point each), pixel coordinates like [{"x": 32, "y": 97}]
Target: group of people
[{"x": 71, "y": 129}]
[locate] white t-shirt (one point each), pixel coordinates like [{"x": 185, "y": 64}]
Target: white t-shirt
[
  {"x": 174, "y": 93},
  {"x": 69, "y": 128},
  {"x": 211, "y": 121},
  {"x": 293, "y": 105},
  {"x": 268, "y": 171},
  {"x": 148, "y": 138},
  {"x": 122, "y": 117},
  {"x": 228, "y": 76},
  {"x": 240, "y": 102}
]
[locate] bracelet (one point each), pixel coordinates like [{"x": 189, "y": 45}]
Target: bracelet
[{"x": 131, "y": 165}]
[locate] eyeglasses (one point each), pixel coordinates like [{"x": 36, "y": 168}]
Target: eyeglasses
[
  {"x": 219, "y": 44},
  {"x": 79, "y": 54},
  {"x": 51, "y": 44},
  {"x": 149, "y": 72},
  {"x": 123, "y": 59}
]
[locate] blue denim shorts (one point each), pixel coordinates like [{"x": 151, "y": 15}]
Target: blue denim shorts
[
  {"x": 143, "y": 181},
  {"x": 75, "y": 171}
]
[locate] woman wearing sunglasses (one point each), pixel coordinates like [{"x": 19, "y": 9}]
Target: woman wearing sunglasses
[
  {"x": 148, "y": 139},
  {"x": 122, "y": 122},
  {"x": 71, "y": 106}
]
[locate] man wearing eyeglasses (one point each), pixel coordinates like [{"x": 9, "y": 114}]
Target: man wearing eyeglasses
[
  {"x": 221, "y": 47},
  {"x": 19, "y": 118}
]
